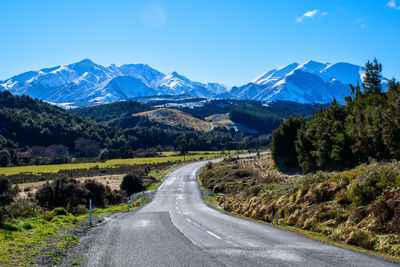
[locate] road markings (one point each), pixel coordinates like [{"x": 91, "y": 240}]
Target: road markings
[
  {"x": 214, "y": 235},
  {"x": 189, "y": 220}
]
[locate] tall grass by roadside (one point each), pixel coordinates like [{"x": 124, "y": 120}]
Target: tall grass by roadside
[{"x": 359, "y": 207}]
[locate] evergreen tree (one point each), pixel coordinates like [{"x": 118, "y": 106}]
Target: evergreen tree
[
  {"x": 373, "y": 77},
  {"x": 283, "y": 143},
  {"x": 391, "y": 120}
]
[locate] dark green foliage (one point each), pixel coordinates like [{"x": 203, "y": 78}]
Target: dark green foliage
[
  {"x": 23, "y": 208},
  {"x": 5, "y": 158},
  {"x": 267, "y": 118},
  {"x": 87, "y": 148},
  {"x": 7, "y": 191},
  {"x": 368, "y": 126},
  {"x": 98, "y": 192},
  {"x": 255, "y": 117},
  {"x": 34, "y": 132},
  {"x": 62, "y": 192},
  {"x": 372, "y": 80},
  {"x": 216, "y": 106},
  {"x": 33, "y": 122},
  {"x": 106, "y": 112},
  {"x": 283, "y": 147},
  {"x": 324, "y": 143},
  {"x": 391, "y": 120},
  {"x": 132, "y": 183},
  {"x": 69, "y": 193}
]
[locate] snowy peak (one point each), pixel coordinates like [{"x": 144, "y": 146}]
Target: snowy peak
[
  {"x": 312, "y": 66},
  {"x": 308, "y": 82},
  {"x": 86, "y": 82},
  {"x": 275, "y": 75},
  {"x": 344, "y": 72}
]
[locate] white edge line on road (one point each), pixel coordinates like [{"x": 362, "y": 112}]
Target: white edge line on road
[{"x": 214, "y": 235}]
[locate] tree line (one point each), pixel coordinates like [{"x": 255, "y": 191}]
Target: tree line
[
  {"x": 34, "y": 132},
  {"x": 367, "y": 127}
]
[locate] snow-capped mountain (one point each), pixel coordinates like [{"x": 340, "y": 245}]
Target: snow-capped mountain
[
  {"x": 306, "y": 83},
  {"x": 85, "y": 83}
]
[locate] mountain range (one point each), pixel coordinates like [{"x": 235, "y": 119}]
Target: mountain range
[{"x": 86, "y": 83}]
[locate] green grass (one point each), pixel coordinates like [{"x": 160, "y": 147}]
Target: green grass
[
  {"x": 35, "y": 169},
  {"x": 153, "y": 186},
  {"x": 23, "y": 239}
]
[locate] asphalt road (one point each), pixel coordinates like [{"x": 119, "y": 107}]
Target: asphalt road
[{"x": 178, "y": 229}]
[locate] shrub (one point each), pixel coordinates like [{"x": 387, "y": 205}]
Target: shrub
[
  {"x": 62, "y": 192},
  {"x": 4, "y": 158},
  {"x": 59, "y": 211},
  {"x": 24, "y": 208},
  {"x": 79, "y": 209},
  {"x": 97, "y": 193},
  {"x": 209, "y": 165},
  {"x": 283, "y": 143},
  {"x": 7, "y": 192},
  {"x": 69, "y": 193},
  {"x": 115, "y": 197},
  {"x": 132, "y": 183}
]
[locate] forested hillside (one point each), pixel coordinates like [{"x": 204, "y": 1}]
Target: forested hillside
[
  {"x": 268, "y": 117},
  {"x": 111, "y": 111},
  {"x": 35, "y": 132},
  {"x": 367, "y": 127}
]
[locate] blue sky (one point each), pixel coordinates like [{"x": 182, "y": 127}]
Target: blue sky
[{"x": 224, "y": 41}]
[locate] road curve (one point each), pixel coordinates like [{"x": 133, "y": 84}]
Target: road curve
[{"x": 178, "y": 229}]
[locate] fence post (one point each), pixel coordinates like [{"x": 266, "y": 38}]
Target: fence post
[
  {"x": 277, "y": 216},
  {"x": 128, "y": 202},
  {"x": 90, "y": 212}
]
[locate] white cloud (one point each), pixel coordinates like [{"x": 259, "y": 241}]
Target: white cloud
[
  {"x": 392, "y": 4},
  {"x": 310, "y": 14}
]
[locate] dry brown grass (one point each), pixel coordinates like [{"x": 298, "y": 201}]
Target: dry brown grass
[
  {"x": 175, "y": 117},
  {"x": 359, "y": 207}
]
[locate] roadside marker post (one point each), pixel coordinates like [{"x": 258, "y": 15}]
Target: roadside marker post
[
  {"x": 142, "y": 196},
  {"x": 277, "y": 216},
  {"x": 224, "y": 204},
  {"x": 128, "y": 203},
  {"x": 90, "y": 212}
]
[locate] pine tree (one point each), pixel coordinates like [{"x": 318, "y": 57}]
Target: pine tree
[
  {"x": 373, "y": 77},
  {"x": 283, "y": 143},
  {"x": 391, "y": 120}
]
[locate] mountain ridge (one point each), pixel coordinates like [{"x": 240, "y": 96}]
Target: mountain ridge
[{"x": 86, "y": 83}]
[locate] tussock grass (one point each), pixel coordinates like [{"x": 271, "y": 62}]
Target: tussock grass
[
  {"x": 175, "y": 117},
  {"x": 359, "y": 207}
]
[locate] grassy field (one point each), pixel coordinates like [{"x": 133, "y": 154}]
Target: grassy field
[{"x": 168, "y": 157}]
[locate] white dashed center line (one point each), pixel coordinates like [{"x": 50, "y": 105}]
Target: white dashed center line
[{"x": 214, "y": 235}]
